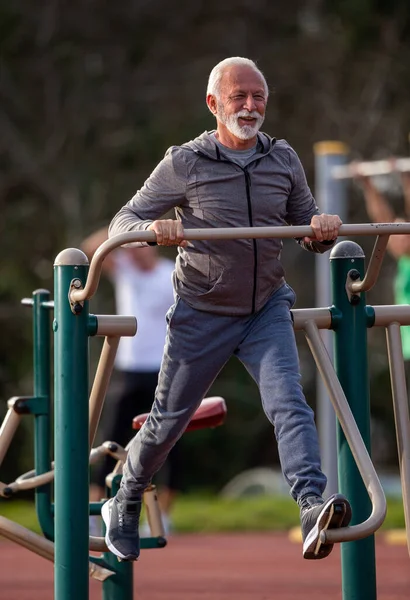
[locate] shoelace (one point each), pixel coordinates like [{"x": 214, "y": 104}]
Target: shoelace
[{"x": 128, "y": 521}]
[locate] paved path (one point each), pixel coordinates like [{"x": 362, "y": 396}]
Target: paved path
[{"x": 225, "y": 567}]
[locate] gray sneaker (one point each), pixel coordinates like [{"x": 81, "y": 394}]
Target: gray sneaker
[
  {"x": 334, "y": 513},
  {"x": 121, "y": 519}
]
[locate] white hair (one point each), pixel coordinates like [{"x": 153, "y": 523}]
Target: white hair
[{"x": 215, "y": 77}]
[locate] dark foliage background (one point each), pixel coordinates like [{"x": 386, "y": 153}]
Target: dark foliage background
[{"x": 93, "y": 92}]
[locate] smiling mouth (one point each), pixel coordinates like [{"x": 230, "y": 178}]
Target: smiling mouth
[{"x": 247, "y": 119}]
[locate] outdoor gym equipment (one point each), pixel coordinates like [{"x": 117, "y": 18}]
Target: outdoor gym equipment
[
  {"x": 347, "y": 384},
  {"x": 117, "y": 579},
  {"x": 349, "y": 318},
  {"x": 332, "y": 172}
]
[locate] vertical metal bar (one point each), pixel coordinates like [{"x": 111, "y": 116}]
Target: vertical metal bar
[
  {"x": 401, "y": 415},
  {"x": 71, "y": 430},
  {"x": 101, "y": 380},
  {"x": 153, "y": 512},
  {"x": 42, "y": 423},
  {"x": 358, "y": 557},
  {"x": 331, "y": 198},
  {"x": 7, "y": 430}
]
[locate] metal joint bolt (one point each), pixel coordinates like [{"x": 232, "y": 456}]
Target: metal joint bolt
[
  {"x": 20, "y": 407},
  {"x": 77, "y": 308},
  {"x": 354, "y": 274}
]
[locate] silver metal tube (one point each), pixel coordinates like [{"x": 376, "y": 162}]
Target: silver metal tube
[
  {"x": 221, "y": 234},
  {"x": 370, "y": 168},
  {"x": 116, "y": 325},
  {"x": 97, "y": 544},
  {"x": 30, "y": 480},
  {"x": 24, "y": 482},
  {"x": 96, "y": 453},
  {"x": 389, "y": 313},
  {"x": 356, "y": 444},
  {"x": 401, "y": 415},
  {"x": 43, "y": 547},
  {"x": 120, "y": 453},
  {"x": 101, "y": 382},
  {"x": 8, "y": 429},
  {"x": 30, "y": 540},
  {"x": 321, "y": 316},
  {"x": 153, "y": 512}
]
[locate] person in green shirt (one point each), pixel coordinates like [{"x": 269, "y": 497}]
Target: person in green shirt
[{"x": 380, "y": 210}]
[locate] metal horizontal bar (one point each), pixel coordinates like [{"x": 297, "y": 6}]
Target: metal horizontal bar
[
  {"x": 391, "y": 313},
  {"x": 116, "y": 325},
  {"x": 222, "y": 233},
  {"x": 370, "y": 168},
  {"x": 321, "y": 316},
  {"x": 27, "y": 301}
]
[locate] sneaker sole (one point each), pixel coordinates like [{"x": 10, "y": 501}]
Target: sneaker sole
[
  {"x": 336, "y": 513},
  {"x": 105, "y": 513}
]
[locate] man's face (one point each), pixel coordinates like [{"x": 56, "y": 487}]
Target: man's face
[{"x": 242, "y": 102}]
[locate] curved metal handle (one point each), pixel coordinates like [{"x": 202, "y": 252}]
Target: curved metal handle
[{"x": 355, "y": 441}]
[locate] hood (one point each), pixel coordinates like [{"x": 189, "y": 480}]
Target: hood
[{"x": 205, "y": 144}]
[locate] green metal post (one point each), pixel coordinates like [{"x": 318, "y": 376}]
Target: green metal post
[
  {"x": 358, "y": 557},
  {"x": 120, "y": 586},
  {"x": 71, "y": 429},
  {"x": 42, "y": 388}
]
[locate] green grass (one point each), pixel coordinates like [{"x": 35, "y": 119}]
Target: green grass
[
  {"x": 263, "y": 513},
  {"x": 21, "y": 511},
  {"x": 208, "y": 514}
]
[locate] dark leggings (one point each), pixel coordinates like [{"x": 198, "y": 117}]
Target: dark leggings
[{"x": 135, "y": 396}]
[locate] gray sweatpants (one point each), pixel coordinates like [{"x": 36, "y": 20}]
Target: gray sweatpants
[{"x": 198, "y": 345}]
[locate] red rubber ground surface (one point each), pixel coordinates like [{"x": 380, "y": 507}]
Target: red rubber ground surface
[{"x": 225, "y": 567}]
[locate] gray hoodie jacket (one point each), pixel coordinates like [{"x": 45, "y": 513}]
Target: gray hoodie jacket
[{"x": 230, "y": 277}]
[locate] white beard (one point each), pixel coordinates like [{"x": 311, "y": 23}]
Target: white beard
[{"x": 231, "y": 122}]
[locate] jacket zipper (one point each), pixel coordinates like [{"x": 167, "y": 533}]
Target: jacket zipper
[
  {"x": 250, "y": 216},
  {"x": 255, "y": 247}
]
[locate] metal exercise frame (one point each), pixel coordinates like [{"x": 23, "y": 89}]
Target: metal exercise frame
[
  {"x": 347, "y": 384},
  {"x": 116, "y": 579},
  {"x": 349, "y": 389}
]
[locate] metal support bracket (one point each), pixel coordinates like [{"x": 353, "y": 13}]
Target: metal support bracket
[
  {"x": 76, "y": 306},
  {"x": 29, "y": 405},
  {"x": 354, "y": 297}
]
